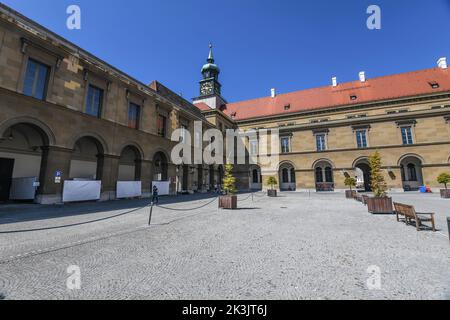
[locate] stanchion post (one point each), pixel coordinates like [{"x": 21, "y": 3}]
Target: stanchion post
[
  {"x": 448, "y": 224},
  {"x": 252, "y": 197},
  {"x": 150, "y": 215}
]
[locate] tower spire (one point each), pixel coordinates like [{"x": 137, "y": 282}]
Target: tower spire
[{"x": 210, "y": 56}]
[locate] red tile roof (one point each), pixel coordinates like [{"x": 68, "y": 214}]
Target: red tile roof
[
  {"x": 202, "y": 106},
  {"x": 374, "y": 89}
]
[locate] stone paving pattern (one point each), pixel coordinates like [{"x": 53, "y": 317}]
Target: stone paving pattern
[{"x": 298, "y": 246}]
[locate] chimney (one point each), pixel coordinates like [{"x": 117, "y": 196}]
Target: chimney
[
  {"x": 334, "y": 81},
  {"x": 442, "y": 63},
  {"x": 273, "y": 92},
  {"x": 362, "y": 76}
]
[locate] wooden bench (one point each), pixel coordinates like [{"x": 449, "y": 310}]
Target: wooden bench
[{"x": 410, "y": 214}]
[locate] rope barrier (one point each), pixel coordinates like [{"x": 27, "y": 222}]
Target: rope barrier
[
  {"x": 190, "y": 209},
  {"x": 73, "y": 224}
]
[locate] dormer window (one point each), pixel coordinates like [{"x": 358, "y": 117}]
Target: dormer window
[
  {"x": 287, "y": 107},
  {"x": 353, "y": 97},
  {"x": 434, "y": 85}
]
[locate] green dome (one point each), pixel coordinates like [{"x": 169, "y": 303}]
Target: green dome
[{"x": 209, "y": 67}]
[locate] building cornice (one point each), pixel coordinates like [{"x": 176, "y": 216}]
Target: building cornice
[{"x": 395, "y": 118}]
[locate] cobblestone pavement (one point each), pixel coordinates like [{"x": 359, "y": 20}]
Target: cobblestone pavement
[{"x": 293, "y": 247}]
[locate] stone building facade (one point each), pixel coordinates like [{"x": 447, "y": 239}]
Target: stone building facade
[
  {"x": 328, "y": 133},
  {"x": 67, "y": 115}
]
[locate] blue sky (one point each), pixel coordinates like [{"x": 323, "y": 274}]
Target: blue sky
[{"x": 259, "y": 44}]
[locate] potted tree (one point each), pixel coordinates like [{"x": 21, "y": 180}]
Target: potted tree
[
  {"x": 351, "y": 183},
  {"x": 272, "y": 181},
  {"x": 380, "y": 203},
  {"x": 444, "y": 178},
  {"x": 229, "y": 199}
]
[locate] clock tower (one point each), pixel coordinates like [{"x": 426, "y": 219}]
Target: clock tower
[{"x": 210, "y": 87}]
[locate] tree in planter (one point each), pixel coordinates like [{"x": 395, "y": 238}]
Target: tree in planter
[
  {"x": 272, "y": 181},
  {"x": 381, "y": 203},
  {"x": 229, "y": 181},
  {"x": 444, "y": 178},
  {"x": 351, "y": 183},
  {"x": 379, "y": 185},
  {"x": 229, "y": 200}
]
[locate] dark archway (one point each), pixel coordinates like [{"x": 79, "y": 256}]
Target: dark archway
[
  {"x": 130, "y": 164},
  {"x": 21, "y": 161},
  {"x": 411, "y": 170},
  {"x": 160, "y": 167},
  {"x": 324, "y": 176},
  {"x": 87, "y": 159},
  {"x": 287, "y": 177},
  {"x": 363, "y": 175}
]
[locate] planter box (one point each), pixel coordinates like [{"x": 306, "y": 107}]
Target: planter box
[
  {"x": 380, "y": 205},
  {"x": 272, "y": 193},
  {"x": 228, "y": 202},
  {"x": 350, "y": 194},
  {"x": 445, "y": 193}
]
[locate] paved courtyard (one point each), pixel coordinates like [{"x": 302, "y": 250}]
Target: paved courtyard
[{"x": 298, "y": 246}]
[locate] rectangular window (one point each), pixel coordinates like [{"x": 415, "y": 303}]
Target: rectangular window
[
  {"x": 407, "y": 135},
  {"x": 94, "y": 101},
  {"x": 254, "y": 147},
  {"x": 361, "y": 139},
  {"x": 36, "y": 79},
  {"x": 285, "y": 145},
  {"x": 162, "y": 126},
  {"x": 134, "y": 113},
  {"x": 321, "y": 142}
]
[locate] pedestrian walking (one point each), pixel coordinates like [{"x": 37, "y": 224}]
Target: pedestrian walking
[{"x": 155, "y": 197}]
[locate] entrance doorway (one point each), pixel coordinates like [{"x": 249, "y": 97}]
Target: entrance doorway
[
  {"x": 363, "y": 177},
  {"x": 6, "y": 174}
]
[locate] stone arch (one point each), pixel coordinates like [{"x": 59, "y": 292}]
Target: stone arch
[
  {"x": 255, "y": 177},
  {"x": 48, "y": 132},
  {"x": 23, "y": 157},
  {"x": 287, "y": 176},
  {"x": 160, "y": 166},
  {"x": 286, "y": 162},
  {"x": 413, "y": 155},
  {"x": 157, "y": 150},
  {"x": 135, "y": 145},
  {"x": 87, "y": 161},
  {"x": 99, "y": 139},
  {"x": 315, "y": 163},
  {"x": 363, "y": 174},
  {"x": 411, "y": 171},
  {"x": 323, "y": 175},
  {"x": 130, "y": 163}
]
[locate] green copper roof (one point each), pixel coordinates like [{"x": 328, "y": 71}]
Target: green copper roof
[{"x": 210, "y": 65}]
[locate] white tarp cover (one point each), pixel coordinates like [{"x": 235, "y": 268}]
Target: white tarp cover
[
  {"x": 163, "y": 187},
  {"x": 23, "y": 189},
  {"x": 129, "y": 189},
  {"x": 81, "y": 190}
]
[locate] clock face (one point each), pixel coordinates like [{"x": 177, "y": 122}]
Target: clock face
[{"x": 207, "y": 88}]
